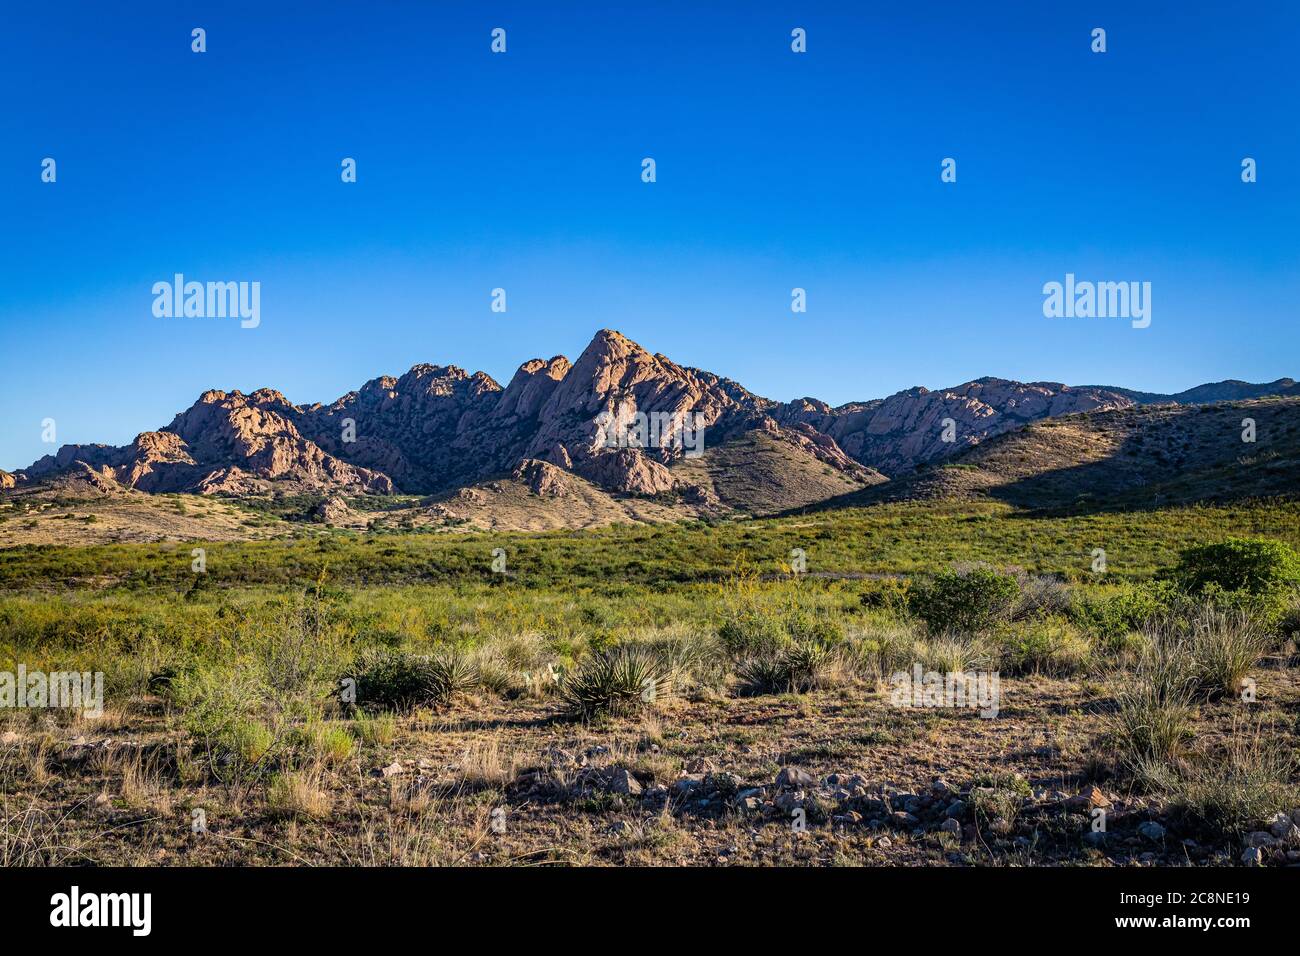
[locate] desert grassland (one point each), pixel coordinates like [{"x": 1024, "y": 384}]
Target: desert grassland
[{"x": 501, "y": 717}]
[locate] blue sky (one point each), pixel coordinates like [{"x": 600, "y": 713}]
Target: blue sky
[{"x": 522, "y": 171}]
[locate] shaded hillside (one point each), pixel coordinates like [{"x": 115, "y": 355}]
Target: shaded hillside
[{"x": 1139, "y": 457}]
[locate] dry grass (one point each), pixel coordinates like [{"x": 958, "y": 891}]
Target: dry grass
[{"x": 299, "y": 794}]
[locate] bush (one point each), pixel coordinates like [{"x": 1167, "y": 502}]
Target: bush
[
  {"x": 622, "y": 680},
  {"x": 760, "y": 632},
  {"x": 396, "y": 680},
  {"x": 965, "y": 600},
  {"x": 1050, "y": 645},
  {"x": 1112, "y": 617},
  {"x": 1254, "y": 565},
  {"x": 886, "y": 594}
]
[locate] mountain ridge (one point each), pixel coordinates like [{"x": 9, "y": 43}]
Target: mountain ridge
[{"x": 439, "y": 428}]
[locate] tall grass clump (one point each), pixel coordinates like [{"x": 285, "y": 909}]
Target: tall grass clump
[
  {"x": 1239, "y": 788},
  {"x": 1151, "y": 724}
]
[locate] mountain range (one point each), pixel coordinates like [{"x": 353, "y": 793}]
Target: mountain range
[{"x": 455, "y": 437}]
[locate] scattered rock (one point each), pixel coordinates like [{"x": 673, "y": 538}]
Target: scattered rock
[
  {"x": 392, "y": 770},
  {"x": 621, "y": 781},
  {"x": 1260, "y": 839},
  {"x": 952, "y": 826},
  {"x": 1280, "y": 826},
  {"x": 956, "y": 809},
  {"x": 1152, "y": 831},
  {"x": 795, "y": 779},
  {"x": 1087, "y": 800},
  {"x": 1252, "y": 856}
]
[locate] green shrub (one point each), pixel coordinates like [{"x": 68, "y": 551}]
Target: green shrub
[
  {"x": 752, "y": 633},
  {"x": 396, "y": 680},
  {"x": 1049, "y": 645},
  {"x": 763, "y": 632},
  {"x": 1254, "y": 565},
  {"x": 885, "y": 594},
  {"x": 1110, "y": 618},
  {"x": 965, "y": 600}
]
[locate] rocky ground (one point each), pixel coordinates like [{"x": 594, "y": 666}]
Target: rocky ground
[{"x": 838, "y": 777}]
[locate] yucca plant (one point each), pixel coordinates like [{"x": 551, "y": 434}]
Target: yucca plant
[
  {"x": 622, "y": 680},
  {"x": 796, "y": 669},
  {"x": 397, "y": 680},
  {"x": 446, "y": 674}
]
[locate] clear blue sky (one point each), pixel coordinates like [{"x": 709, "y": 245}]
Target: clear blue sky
[{"x": 522, "y": 171}]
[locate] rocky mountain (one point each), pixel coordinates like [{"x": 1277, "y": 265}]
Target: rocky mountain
[
  {"x": 917, "y": 426},
  {"x": 618, "y": 421},
  {"x": 1231, "y": 390},
  {"x": 1135, "y": 457}
]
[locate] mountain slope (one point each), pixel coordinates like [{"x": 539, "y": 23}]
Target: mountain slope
[{"x": 1137, "y": 457}]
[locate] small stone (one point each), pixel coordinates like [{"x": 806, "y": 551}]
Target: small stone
[
  {"x": 1087, "y": 800},
  {"x": 392, "y": 770},
  {"x": 1280, "y": 825},
  {"x": 885, "y": 842},
  {"x": 951, "y": 826},
  {"x": 956, "y": 809},
  {"x": 1152, "y": 831},
  {"x": 902, "y": 818},
  {"x": 852, "y": 818},
  {"x": 1260, "y": 839},
  {"x": 701, "y": 765},
  {"x": 621, "y": 781},
  {"x": 793, "y": 778},
  {"x": 1095, "y": 838},
  {"x": 790, "y": 800},
  {"x": 749, "y": 804},
  {"x": 103, "y": 800},
  {"x": 688, "y": 782},
  {"x": 1252, "y": 856}
]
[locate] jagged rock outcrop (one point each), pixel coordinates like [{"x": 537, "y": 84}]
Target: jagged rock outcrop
[
  {"x": 543, "y": 478},
  {"x": 897, "y": 433},
  {"x": 226, "y": 443},
  {"x": 628, "y": 421}
]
